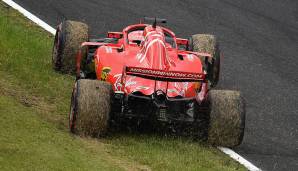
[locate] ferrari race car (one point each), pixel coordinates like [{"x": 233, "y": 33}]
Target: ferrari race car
[{"x": 146, "y": 73}]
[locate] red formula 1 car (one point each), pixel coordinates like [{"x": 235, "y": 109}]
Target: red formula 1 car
[{"x": 146, "y": 73}]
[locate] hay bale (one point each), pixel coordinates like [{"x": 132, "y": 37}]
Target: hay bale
[
  {"x": 69, "y": 36},
  {"x": 227, "y": 118},
  {"x": 92, "y": 106}
]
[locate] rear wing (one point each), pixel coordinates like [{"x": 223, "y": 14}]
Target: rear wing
[
  {"x": 155, "y": 20},
  {"x": 161, "y": 75}
]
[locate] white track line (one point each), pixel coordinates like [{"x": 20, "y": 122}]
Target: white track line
[
  {"x": 239, "y": 158},
  {"x": 31, "y": 16},
  {"x": 50, "y": 29}
]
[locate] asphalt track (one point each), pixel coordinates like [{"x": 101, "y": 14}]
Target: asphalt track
[{"x": 259, "y": 39}]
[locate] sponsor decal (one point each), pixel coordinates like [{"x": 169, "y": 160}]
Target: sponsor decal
[
  {"x": 136, "y": 35},
  {"x": 128, "y": 82},
  {"x": 118, "y": 84},
  {"x": 142, "y": 88},
  {"x": 165, "y": 74},
  {"x": 108, "y": 49},
  {"x": 173, "y": 91},
  {"x": 181, "y": 87},
  {"x": 104, "y": 73},
  {"x": 190, "y": 57},
  {"x": 184, "y": 89}
]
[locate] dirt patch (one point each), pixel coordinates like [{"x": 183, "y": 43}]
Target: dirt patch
[
  {"x": 29, "y": 100},
  {"x": 8, "y": 89}
]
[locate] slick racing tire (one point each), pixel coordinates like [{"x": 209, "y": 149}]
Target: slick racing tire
[
  {"x": 227, "y": 118},
  {"x": 90, "y": 108},
  {"x": 208, "y": 44},
  {"x": 69, "y": 36}
]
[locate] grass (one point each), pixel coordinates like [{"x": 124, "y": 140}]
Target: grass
[{"x": 34, "y": 102}]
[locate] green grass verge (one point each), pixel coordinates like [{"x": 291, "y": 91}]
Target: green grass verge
[{"x": 34, "y": 102}]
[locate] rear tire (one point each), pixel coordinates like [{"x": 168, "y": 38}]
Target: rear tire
[
  {"x": 208, "y": 44},
  {"x": 90, "y": 108},
  {"x": 227, "y": 118},
  {"x": 69, "y": 36}
]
